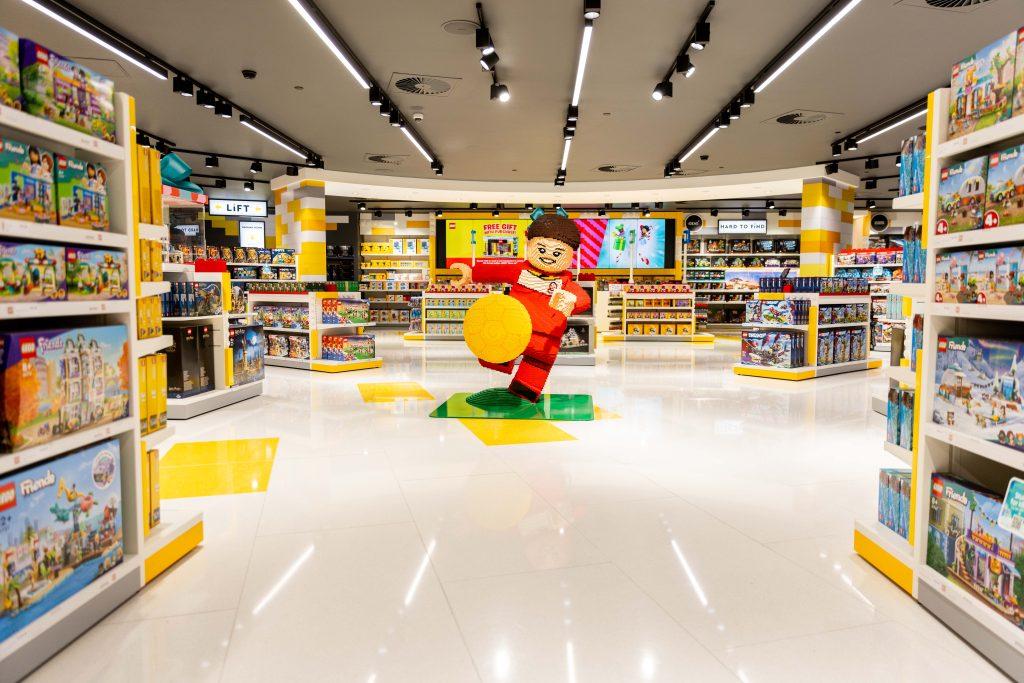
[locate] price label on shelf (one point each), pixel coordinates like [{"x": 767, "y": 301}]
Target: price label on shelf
[{"x": 1011, "y": 514}]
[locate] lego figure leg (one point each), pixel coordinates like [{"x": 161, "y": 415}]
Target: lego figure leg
[
  {"x": 507, "y": 368},
  {"x": 531, "y": 377}
]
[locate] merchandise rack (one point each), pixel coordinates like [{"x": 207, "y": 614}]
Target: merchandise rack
[
  {"x": 413, "y": 269},
  {"x": 433, "y": 301},
  {"x": 28, "y": 648},
  {"x": 629, "y": 317},
  {"x": 812, "y": 369},
  {"x": 313, "y": 301}
]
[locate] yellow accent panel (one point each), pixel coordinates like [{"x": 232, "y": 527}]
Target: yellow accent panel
[
  {"x": 770, "y": 296},
  {"x": 846, "y": 217},
  {"x": 229, "y": 366},
  {"x": 217, "y": 468},
  {"x": 915, "y": 446},
  {"x": 417, "y": 224},
  {"x": 158, "y": 562},
  {"x": 929, "y": 143},
  {"x": 849, "y": 194},
  {"x": 313, "y": 259},
  {"x": 231, "y": 230},
  {"x": 789, "y": 223},
  {"x": 312, "y": 183},
  {"x": 332, "y": 226},
  {"x": 772, "y": 374},
  {"x": 387, "y": 392},
  {"x": 512, "y": 432},
  {"x": 312, "y": 225},
  {"x": 812, "y": 335},
  {"x": 365, "y": 365},
  {"x": 277, "y": 194},
  {"x": 819, "y": 235},
  {"x": 814, "y": 270},
  {"x": 413, "y": 336},
  {"x": 602, "y": 414},
  {"x": 898, "y": 573}
]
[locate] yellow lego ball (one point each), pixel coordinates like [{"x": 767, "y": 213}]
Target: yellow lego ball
[{"x": 497, "y": 328}]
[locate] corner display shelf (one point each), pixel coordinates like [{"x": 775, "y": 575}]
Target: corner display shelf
[
  {"x": 810, "y": 331},
  {"x": 54, "y": 628},
  {"x": 642, "y": 320},
  {"x": 313, "y": 301}
]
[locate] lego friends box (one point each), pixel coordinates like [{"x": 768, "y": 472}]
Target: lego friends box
[
  {"x": 982, "y": 87},
  {"x": 962, "y": 196},
  {"x": 26, "y": 182},
  {"x": 60, "y": 529},
  {"x": 58, "y": 381}
]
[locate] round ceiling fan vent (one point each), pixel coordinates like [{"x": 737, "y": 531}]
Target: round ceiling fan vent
[
  {"x": 392, "y": 159},
  {"x": 945, "y": 4},
  {"x": 617, "y": 168},
  {"x": 460, "y": 27},
  {"x": 423, "y": 85},
  {"x": 799, "y": 118}
]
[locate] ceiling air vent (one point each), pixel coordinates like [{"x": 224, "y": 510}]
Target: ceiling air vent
[
  {"x": 617, "y": 168},
  {"x": 691, "y": 171},
  {"x": 460, "y": 27},
  {"x": 389, "y": 159},
  {"x": 432, "y": 86},
  {"x": 950, "y": 5},
  {"x": 801, "y": 117},
  {"x": 947, "y": 4}
]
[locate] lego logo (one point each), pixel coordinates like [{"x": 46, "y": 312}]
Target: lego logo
[
  {"x": 942, "y": 344},
  {"x": 28, "y": 348},
  {"x": 945, "y": 174},
  {"x": 62, "y": 163},
  {"x": 8, "y": 496},
  {"x": 936, "y": 489}
]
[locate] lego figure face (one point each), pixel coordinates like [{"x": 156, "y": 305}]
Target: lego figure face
[{"x": 548, "y": 254}]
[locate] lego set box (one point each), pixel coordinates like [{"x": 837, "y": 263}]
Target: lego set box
[
  {"x": 190, "y": 364},
  {"x": 981, "y": 276},
  {"x": 772, "y": 349},
  {"x": 247, "y": 351},
  {"x": 60, "y": 530},
  {"x": 1004, "y": 201},
  {"x": 32, "y": 272},
  {"x": 58, "y": 381},
  {"x": 10, "y": 76},
  {"x": 26, "y": 182},
  {"x": 82, "y": 194},
  {"x": 348, "y": 347},
  {"x": 968, "y": 547},
  {"x": 977, "y": 388},
  {"x": 981, "y": 87},
  {"x": 96, "y": 274},
  {"x": 962, "y": 196}
]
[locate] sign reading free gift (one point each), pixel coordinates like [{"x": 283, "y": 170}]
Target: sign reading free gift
[{"x": 237, "y": 207}]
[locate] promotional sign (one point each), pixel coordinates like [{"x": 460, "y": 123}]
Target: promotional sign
[
  {"x": 1011, "y": 514},
  {"x": 251, "y": 234},
  {"x": 609, "y": 242},
  {"x": 237, "y": 207},
  {"x": 729, "y": 227},
  {"x": 491, "y": 241}
]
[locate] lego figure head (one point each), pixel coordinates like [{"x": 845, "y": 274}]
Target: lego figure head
[{"x": 551, "y": 241}]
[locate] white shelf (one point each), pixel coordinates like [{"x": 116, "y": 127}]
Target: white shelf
[
  {"x": 48, "y": 232},
  {"x": 49, "y": 309},
  {"x": 659, "y": 308},
  {"x": 190, "y": 318},
  {"x": 905, "y": 455},
  {"x": 331, "y": 326},
  {"x": 818, "y": 370},
  {"x": 173, "y": 523},
  {"x": 306, "y": 363},
  {"x": 185, "y": 408},
  {"x": 745, "y": 292},
  {"x": 679, "y": 321},
  {"x": 889, "y": 540},
  {"x": 978, "y": 311},
  {"x": 914, "y": 290},
  {"x": 1000, "y": 133},
  {"x": 696, "y": 336},
  {"x": 869, "y": 265},
  {"x": 393, "y": 267},
  {"x": 986, "y": 449},
  {"x": 677, "y": 296},
  {"x": 179, "y": 267},
  {"x": 429, "y": 336},
  {"x": 291, "y": 330},
  {"x": 86, "y": 145},
  {"x": 150, "y": 231},
  {"x": 393, "y": 256},
  {"x": 910, "y": 202},
  {"x": 831, "y": 326},
  {"x": 446, "y": 308},
  {"x": 780, "y": 326},
  {"x": 154, "y": 288},
  {"x": 155, "y": 439},
  {"x": 977, "y": 238},
  {"x": 145, "y": 347},
  {"x": 454, "y": 295},
  {"x": 63, "y": 444},
  {"x": 902, "y": 374},
  {"x": 290, "y": 266}
]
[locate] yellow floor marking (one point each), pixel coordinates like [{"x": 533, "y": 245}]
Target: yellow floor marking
[
  {"x": 602, "y": 414},
  {"x": 217, "y": 468},
  {"x": 388, "y": 392},
  {"x": 510, "y": 432}
]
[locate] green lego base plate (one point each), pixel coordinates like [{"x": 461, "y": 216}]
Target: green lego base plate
[{"x": 499, "y": 404}]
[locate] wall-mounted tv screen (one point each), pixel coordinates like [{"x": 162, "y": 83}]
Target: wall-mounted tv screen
[{"x": 605, "y": 243}]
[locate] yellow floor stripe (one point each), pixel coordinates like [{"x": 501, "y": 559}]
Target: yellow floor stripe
[
  {"x": 511, "y": 432},
  {"x": 388, "y": 392},
  {"x": 217, "y": 468},
  {"x": 602, "y": 414}
]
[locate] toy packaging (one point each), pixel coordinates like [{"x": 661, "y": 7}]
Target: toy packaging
[
  {"x": 247, "y": 351},
  {"x": 894, "y": 499},
  {"x": 348, "y": 347},
  {"x": 143, "y": 395},
  {"x": 60, "y": 530},
  {"x": 1004, "y": 203},
  {"x": 59, "y": 381},
  {"x": 772, "y": 349},
  {"x": 1018, "y": 76},
  {"x": 26, "y": 182},
  {"x": 977, "y": 388},
  {"x": 969, "y": 548},
  {"x": 10, "y": 75},
  {"x": 826, "y": 344},
  {"x": 96, "y": 274},
  {"x": 66, "y": 92},
  {"x": 962, "y": 196},
  {"x": 906, "y": 419},
  {"x": 82, "y": 194},
  {"x": 298, "y": 346},
  {"x": 980, "y": 276},
  {"x": 184, "y": 368},
  {"x": 208, "y": 299},
  {"x": 277, "y": 345},
  {"x": 981, "y": 87},
  {"x": 32, "y": 272}
]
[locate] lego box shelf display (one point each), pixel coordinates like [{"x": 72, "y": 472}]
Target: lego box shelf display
[
  {"x": 10, "y": 76},
  {"x": 96, "y": 274},
  {"x": 82, "y": 194},
  {"x": 60, "y": 530},
  {"x": 26, "y": 183},
  {"x": 54, "y": 382},
  {"x": 32, "y": 272}
]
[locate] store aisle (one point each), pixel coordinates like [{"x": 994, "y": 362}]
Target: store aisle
[{"x": 702, "y": 531}]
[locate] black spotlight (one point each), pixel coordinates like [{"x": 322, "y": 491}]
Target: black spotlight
[
  {"x": 473, "y": 206},
  {"x": 220, "y": 183},
  {"x": 591, "y": 9},
  {"x": 850, "y": 145},
  {"x": 205, "y": 98},
  {"x": 212, "y": 161},
  {"x": 646, "y": 212},
  {"x": 659, "y": 205},
  {"x": 376, "y": 96},
  {"x": 872, "y": 203},
  {"x": 837, "y": 149},
  {"x": 182, "y": 85},
  {"x": 248, "y": 186},
  {"x": 870, "y": 184},
  {"x": 529, "y": 207},
  {"x": 408, "y": 213},
  {"x": 483, "y": 41},
  {"x": 495, "y": 213},
  {"x": 701, "y": 36},
  {"x": 723, "y": 120},
  {"x": 378, "y": 213},
  {"x": 783, "y": 212},
  {"x": 395, "y": 118},
  {"x": 361, "y": 206},
  {"x": 663, "y": 89},
  {"x": 573, "y": 114},
  {"x": 735, "y": 109},
  {"x": 500, "y": 92},
  {"x": 602, "y": 212},
  {"x": 142, "y": 139},
  {"x": 748, "y": 98},
  {"x": 714, "y": 212},
  {"x": 489, "y": 61},
  {"x": 438, "y": 213},
  {"x": 831, "y": 168},
  {"x": 684, "y": 65},
  {"x": 222, "y": 109},
  {"x": 256, "y": 167},
  {"x": 635, "y": 205},
  {"x": 291, "y": 169},
  {"x": 770, "y": 204},
  {"x": 871, "y": 164},
  {"x": 568, "y": 133},
  {"x": 745, "y": 212},
  {"x": 385, "y": 108},
  {"x": 162, "y": 147}
]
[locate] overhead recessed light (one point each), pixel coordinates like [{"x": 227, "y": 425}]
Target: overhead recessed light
[
  {"x": 212, "y": 161},
  {"x": 663, "y": 89},
  {"x": 894, "y": 125},
  {"x": 256, "y": 167},
  {"x": 499, "y": 91},
  {"x": 489, "y": 61},
  {"x": 591, "y": 9},
  {"x": 581, "y": 64},
  {"x": 701, "y": 36},
  {"x": 249, "y": 186},
  {"x": 684, "y": 65},
  {"x": 249, "y": 123}
]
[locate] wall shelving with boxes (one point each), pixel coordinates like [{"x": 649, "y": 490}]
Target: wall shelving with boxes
[{"x": 394, "y": 266}]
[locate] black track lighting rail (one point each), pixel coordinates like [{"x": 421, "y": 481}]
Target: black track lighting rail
[
  {"x": 684, "y": 50},
  {"x": 485, "y": 44},
  {"x": 227, "y": 177},
  {"x": 863, "y": 157},
  {"x": 167, "y": 141},
  {"x": 221, "y": 155},
  {"x": 896, "y": 118}
]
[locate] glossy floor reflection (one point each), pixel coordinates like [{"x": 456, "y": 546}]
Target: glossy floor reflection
[{"x": 701, "y": 534}]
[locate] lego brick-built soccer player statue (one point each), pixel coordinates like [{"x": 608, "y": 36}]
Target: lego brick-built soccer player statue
[{"x": 497, "y": 330}]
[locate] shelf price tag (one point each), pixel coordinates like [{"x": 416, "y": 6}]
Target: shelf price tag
[{"x": 1011, "y": 514}]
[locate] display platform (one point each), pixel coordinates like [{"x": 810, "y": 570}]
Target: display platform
[{"x": 556, "y": 407}]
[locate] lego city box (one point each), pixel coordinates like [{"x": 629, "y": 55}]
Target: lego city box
[
  {"x": 32, "y": 272},
  {"x": 977, "y": 388},
  {"x": 962, "y": 196},
  {"x": 1004, "y": 201},
  {"x": 54, "y": 382},
  {"x": 26, "y": 182},
  {"x": 82, "y": 194},
  {"x": 10, "y": 77},
  {"x": 62, "y": 528},
  {"x": 981, "y": 87},
  {"x": 96, "y": 274},
  {"x": 967, "y": 546},
  {"x": 56, "y": 88}
]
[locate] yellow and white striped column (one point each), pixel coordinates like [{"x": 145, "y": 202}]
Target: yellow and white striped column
[
  {"x": 300, "y": 223},
  {"x": 826, "y": 224}
]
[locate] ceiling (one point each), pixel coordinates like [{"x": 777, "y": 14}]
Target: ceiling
[{"x": 882, "y": 56}]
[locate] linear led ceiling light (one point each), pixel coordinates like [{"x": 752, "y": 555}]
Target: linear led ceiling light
[
  {"x": 710, "y": 134},
  {"x": 249, "y": 123},
  {"x": 698, "y": 39},
  {"x": 897, "y": 124},
  {"x": 79, "y": 23},
  {"x": 847, "y": 7},
  {"x": 591, "y": 10}
]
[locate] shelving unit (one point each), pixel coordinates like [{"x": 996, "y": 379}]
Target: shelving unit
[
  {"x": 313, "y": 301},
  {"x": 910, "y": 202},
  {"x": 632, "y": 319},
  {"x": 385, "y": 257},
  {"x": 437, "y": 304},
  {"x": 811, "y": 369}
]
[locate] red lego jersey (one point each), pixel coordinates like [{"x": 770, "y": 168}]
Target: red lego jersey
[{"x": 534, "y": 289}]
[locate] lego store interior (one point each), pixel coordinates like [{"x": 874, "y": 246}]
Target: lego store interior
[{"x": 437, "y": 340}]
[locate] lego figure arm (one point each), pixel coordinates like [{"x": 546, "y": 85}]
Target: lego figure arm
[
  {"x": 488, "y": 272},
  {"x": 582, "y": 298}
]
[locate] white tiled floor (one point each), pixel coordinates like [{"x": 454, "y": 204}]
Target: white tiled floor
[{"x": 704, "y": 536}]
